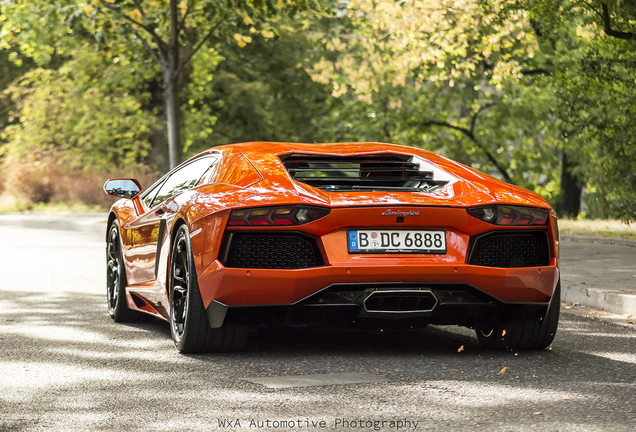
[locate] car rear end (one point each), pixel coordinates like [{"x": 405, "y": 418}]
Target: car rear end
[{"x": 386, "y": 238}]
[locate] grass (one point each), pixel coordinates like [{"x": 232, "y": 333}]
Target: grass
[
  {"x": 598, "y": 228},
  {"x": 10, "y": 204},
  {"x": 76, "y": 207}
]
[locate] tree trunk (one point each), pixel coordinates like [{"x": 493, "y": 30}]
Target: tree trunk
[
  {"x": 170, "y": 81},
  {"x": 172, "y": 118},
  {"x": 571, "y": 189}
]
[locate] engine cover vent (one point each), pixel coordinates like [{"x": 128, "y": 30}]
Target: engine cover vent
[{"x": 375, "y": 172}]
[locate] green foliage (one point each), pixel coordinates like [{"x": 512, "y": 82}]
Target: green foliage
[
  {"x": 510, "y": 88},
  {"x": 590, "y": 48},
  {"x": 446, "y": 76},
  {"x": 160, "y": 37},
  {"x": 259, "y": 92},
  {"x": 81, "y": 112},
  {"x": 39, "y": 30},
  {"x": 199, "y": 118},
  {"x": 9, "y": 72}
]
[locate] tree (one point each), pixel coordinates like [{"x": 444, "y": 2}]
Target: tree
[
  {"x": 448, "y": 75},
  {"x": 590, "y": 49},
  {"x": 77, "y": 124},
  {"x": 88, "y": 107},
  {"x": 172, "y": 32},
  {"x": 260, "y": 92}
]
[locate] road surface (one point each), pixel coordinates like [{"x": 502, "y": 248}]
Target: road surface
[{"x": 65, "y": 366}]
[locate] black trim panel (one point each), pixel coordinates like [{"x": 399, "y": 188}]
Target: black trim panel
[{"x": 162, "y": 230}]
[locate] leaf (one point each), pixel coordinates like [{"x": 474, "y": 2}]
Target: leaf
[
  {"x": 461, "y": 348},
  {"x": 503, "y": 371}
]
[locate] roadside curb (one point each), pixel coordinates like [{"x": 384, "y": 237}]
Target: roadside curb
[
  {"x": 607, "y": 240},
  {"x": 615, "y": 301},
  {"x": 618, "y": 302},
  {"x": 64, "y": 221}
]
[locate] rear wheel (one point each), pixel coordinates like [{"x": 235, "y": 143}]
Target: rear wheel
[
  {"x": 189, "y": 324},
  {"x": 116, "y": 278},
  {"x": 528, "y": 333}
]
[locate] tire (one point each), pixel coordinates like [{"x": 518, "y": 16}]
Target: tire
[
  {"x": 526, "y": 334},
  {"x": 189, "y": 326},
  {"x": 116, "y": 280}
]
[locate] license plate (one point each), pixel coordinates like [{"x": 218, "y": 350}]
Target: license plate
[{"x": 397, "y": 241}]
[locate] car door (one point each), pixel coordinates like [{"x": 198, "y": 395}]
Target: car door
[{"x": 145, "y": 231}]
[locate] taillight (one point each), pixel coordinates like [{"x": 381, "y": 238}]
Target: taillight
[
  {"x": 267, "y": 216},
  {"x": 510, "y": 215},
  {"x": 555, "y": 233}
]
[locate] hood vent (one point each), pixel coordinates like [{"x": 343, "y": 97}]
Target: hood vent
[{"x": 376, "y": 172}]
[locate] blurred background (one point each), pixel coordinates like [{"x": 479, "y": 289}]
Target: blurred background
[{"x": 538, "y": 93}]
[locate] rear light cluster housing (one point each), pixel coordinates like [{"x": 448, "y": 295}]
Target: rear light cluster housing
[
  {"x": 276, "y": 216},
  {"x": 511, "y": 215}
]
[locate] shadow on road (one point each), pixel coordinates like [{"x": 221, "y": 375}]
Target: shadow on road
[{"x": 67, "y": 366}]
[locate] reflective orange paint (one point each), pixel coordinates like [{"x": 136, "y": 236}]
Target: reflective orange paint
[
  {"x": 241, "y": 287},
  {"x": 252, "y": 175}
]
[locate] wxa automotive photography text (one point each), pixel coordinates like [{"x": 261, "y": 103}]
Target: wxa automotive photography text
[{"x": 402, "y": 424}]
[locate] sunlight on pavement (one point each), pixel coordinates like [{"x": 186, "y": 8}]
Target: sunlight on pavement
[
  {"x": 172, "y": 357},
  {"x": 616, "y": 356},
  {"x": 39, "y": 330},
  {"x": 26, "y": 379},
  {"x": 58, "y": 333},
  {"x": 485, "y": 394},
  {"x": 13, "y": 308},
  {"x": 607, "y": 335}
]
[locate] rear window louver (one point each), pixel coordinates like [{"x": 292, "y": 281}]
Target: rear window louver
[{"x": 376, "y": 172}]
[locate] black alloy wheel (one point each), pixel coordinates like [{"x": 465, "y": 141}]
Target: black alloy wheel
[
  {"x": 116, "y": 278},
  {"x": 179, "y": 283},
  {"x": 189, "y": 325}
]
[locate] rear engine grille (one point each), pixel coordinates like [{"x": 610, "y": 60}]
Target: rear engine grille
[
  {"x": 378, "y": 172},
  {"x": 272, "y": 251},
  {"x": 505, "y": 249}
]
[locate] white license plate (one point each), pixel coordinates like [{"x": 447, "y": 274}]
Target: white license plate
[{"x": 396, "y": 241}]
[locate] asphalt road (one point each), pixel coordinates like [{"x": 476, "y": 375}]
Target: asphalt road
[{"x": 64, "y": 365}]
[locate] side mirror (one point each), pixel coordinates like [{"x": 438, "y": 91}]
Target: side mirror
[{"x": 122, "y": 188}]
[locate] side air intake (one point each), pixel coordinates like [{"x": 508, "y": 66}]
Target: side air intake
[{"x": 376, "y": 172}]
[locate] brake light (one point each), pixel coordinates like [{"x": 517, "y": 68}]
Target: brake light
[
  {"x": 555, "y": 233},
  {"x": 268, "y": 216},
  {"x": 510, "y": 215}
]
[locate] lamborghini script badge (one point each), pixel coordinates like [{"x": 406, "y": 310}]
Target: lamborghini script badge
[{"x": 390, "y": 212}]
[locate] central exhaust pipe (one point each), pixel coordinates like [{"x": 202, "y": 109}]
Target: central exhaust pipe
[{"x": 400, "y": 301}]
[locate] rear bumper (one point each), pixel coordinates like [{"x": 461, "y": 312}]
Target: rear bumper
[{"x": 254, "y": 287}]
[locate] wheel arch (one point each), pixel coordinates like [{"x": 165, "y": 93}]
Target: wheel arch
[
  {"x": 178, "y": 222},
  {"x": 111, "y": 217}
]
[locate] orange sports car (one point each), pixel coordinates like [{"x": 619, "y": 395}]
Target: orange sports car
[{"x": 268, "y": 234}]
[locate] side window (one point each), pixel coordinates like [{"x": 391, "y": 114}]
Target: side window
[
  {"x": 150, "y": 194},
  {"x": 186, "y": 178}
]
